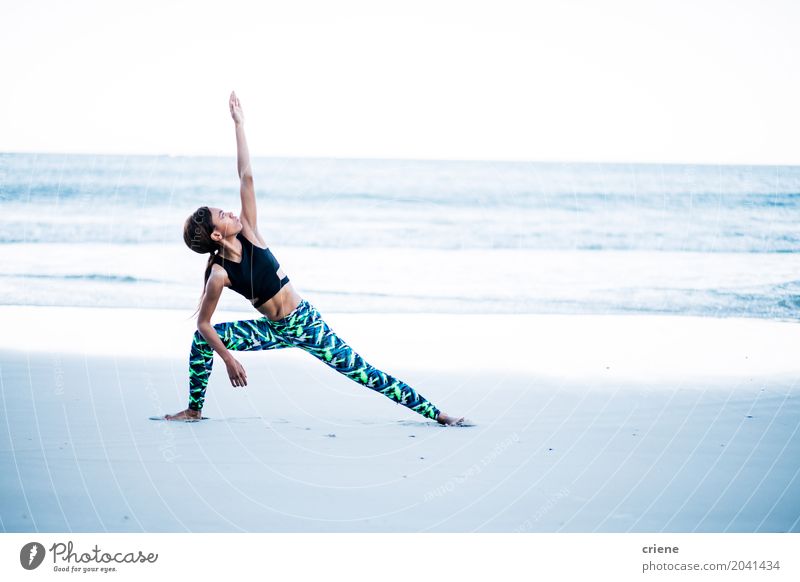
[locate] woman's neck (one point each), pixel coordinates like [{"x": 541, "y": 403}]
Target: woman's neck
[{"x": 228, "y": 248}]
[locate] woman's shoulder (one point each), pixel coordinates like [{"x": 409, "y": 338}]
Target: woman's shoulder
[
  {"x": 251, "y": 235},
  {"x": 219, "y": 272}
]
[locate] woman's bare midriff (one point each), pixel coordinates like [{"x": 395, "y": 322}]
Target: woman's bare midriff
[{"x": 283, "y": 303}]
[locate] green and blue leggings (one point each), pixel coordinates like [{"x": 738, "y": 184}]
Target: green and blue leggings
[{"x": 303, "y": 328}]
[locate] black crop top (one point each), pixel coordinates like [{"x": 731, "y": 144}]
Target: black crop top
[{"x": 256, "y": 275}]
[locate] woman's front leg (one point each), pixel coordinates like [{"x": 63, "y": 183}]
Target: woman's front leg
[{"x": 242, "y": 335}]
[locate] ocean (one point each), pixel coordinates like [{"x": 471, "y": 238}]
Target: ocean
[{"x": 412, "y": 236}]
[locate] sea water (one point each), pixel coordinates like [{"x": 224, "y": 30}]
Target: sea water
[{"x": 412, "y": 236}]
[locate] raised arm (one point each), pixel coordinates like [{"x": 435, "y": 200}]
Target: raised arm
[{"x": 246, "y": 189}]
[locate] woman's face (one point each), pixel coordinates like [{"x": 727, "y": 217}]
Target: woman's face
[{"x": 226, "y": 223}]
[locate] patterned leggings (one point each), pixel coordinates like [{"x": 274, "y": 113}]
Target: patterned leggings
[{"x": 303, "y": 328}]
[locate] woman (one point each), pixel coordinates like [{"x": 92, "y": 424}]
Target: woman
[{"x": 240, "y": 260}]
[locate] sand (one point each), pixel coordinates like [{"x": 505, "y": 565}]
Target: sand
[{"x": 601, "y": 423}]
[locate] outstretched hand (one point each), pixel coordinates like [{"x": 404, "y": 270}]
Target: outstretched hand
[
  {"x": 236, "y": 372},
  {"x": 236, "y": 109}
]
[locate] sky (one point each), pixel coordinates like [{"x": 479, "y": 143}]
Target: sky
[{"x": 567, "y": 80}]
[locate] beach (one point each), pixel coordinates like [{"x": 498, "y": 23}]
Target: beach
[
  {"x": 622, "y": 336},
  {"x": 575, "y": 225},
  {"x": 583, "y": 423}
]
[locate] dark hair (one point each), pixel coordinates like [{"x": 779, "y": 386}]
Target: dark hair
[{"x": 197, "y": 235}]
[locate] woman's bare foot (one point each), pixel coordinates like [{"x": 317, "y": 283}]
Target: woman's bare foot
[
  {"x": 448, "y": 420},
  {"x": 187, "y": 414}
]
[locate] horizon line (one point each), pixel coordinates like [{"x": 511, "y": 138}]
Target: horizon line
[{"x": 408, "y": 159}]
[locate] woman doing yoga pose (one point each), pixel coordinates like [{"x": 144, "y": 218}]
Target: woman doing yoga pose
[{"x": 239, "y": 259}]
